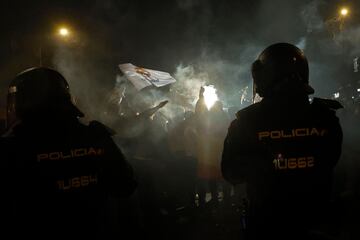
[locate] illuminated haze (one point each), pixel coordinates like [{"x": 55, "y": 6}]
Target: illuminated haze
[{"x": 202, "y": 42}]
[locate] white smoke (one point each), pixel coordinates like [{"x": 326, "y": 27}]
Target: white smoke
[
  {"x": 189, "y": 82},
  {"x": 83, "y": 75},
  {"x": 311, "y": 17},
  {"x": 350, "y": 37},
  {"x": 302, "y": 43}
]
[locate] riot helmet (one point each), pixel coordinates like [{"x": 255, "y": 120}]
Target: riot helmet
[
  {"x": 39, "y": 91},
  {"x": 281, "y": 69}
]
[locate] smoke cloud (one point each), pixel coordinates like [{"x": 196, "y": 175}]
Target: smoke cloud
[
  {"x": 202, "y": 42},
  {"x": 310, "y": 16},
  {"x": 199, "y": 44}
]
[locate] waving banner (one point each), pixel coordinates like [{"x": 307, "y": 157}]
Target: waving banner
[{"x": 143, "y": 77}]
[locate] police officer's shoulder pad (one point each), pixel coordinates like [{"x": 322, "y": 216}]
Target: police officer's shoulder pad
[
  {"x": 101, "y": 128},
  {"x": 249, "y": 110},
  {"x": 328, "y": 103}
]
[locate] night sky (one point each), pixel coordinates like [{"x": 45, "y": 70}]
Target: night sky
[{"x": 217, "y": 38}]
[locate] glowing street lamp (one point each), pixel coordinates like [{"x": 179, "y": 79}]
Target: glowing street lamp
[
  {"x": 344, "y": 12},
  {"x": 63, "y": 32}
]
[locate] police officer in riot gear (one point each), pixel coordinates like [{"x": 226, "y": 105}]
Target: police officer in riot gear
[
  {"x": 284, "y": 148},
  {"x": 59, "y": 172}
]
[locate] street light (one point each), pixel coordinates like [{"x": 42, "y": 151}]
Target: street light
[
  {"x": 63, "y": 32},
  {"x": 344, "y": 12},
  {"x": 336, "y": 23}
]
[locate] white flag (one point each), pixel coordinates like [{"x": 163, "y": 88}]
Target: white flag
[{"x": 142, "y": 77}]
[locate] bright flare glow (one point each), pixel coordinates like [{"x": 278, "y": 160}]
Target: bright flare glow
[
  {"x": 336, "y": 95},
  {"x": 344, "y": 11},
  {"x": 210, "y": 96},
  {"x": 63, "y": 32},
  {"x": 358, "y": 89}
]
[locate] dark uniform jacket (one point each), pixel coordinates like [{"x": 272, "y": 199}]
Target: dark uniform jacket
[
  {"x": 58, "y": 176},
  {"x": 285, "y": 151}
]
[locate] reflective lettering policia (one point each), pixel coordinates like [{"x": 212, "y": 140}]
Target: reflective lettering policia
[
  {"x": 59, "y": 172},
  {"x": 284, "y": 148}
]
